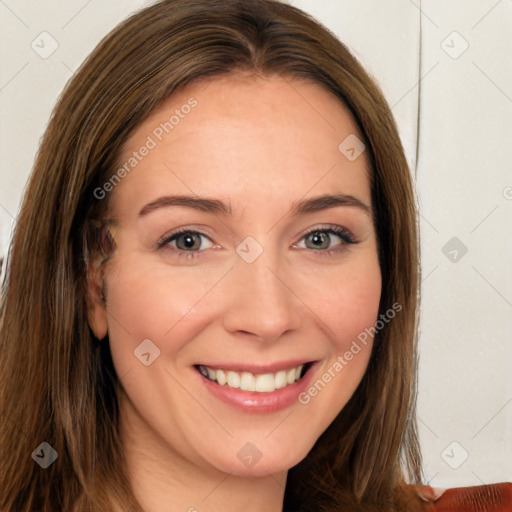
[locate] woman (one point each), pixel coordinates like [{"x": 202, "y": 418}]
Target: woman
[{"x": 211, "y": 295}]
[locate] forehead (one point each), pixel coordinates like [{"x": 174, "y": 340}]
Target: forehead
[{"x": 247, "y": 138}]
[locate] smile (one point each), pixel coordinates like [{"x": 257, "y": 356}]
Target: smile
[{"x": 250, "y": 382}]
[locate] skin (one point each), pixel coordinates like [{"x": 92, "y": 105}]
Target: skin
[{"x": 259, "y": 144}]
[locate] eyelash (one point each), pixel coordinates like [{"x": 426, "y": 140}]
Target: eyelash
[{"x": 339, "y": 231}]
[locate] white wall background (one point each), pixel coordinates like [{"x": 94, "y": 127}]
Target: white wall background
[{"x": 445, "y": 68}]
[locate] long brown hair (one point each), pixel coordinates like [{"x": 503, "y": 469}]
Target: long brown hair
[{"x": 58, "y": 385}]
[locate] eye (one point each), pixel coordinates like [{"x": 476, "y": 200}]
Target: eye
[
  {"x": 326, "y": 238},
  {"x": 186, "y": 240}
]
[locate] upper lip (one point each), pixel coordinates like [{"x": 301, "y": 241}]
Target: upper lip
[{"x": 258, "y": 368}]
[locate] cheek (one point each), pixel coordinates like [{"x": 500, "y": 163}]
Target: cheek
[
  {"x": 354, "y": 306},
  {"x": 156, "y": 302},
  {"x": 346, "y": 298},
  {"x": 353, "y": 320},
  {"x": 348, "y": 306}
]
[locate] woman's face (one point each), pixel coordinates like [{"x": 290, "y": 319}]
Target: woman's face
[{"x": 274, "y": 270}]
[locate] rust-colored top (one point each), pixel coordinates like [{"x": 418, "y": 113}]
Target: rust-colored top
[{"x": 483, "y": 498}]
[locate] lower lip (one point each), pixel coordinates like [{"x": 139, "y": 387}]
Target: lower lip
[{"x": 253, "y": 402}]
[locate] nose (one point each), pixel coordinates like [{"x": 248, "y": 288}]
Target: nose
[{"x": 261, "y": 302}]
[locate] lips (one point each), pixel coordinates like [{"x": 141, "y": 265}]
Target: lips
[
  {"x": 266, "y": 398},
  {"x": 254, "y": 382}
]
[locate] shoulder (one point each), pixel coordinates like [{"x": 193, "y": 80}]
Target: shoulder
[{"x": 488, "y": 498}]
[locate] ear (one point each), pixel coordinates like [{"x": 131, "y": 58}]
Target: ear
[{"x": 96, "y": 306}]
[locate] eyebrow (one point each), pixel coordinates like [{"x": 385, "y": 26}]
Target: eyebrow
[
  {"x": 326, "y": 201},
  {"x": 202, "y": 204},
  {"x": 216, "y": 206}
]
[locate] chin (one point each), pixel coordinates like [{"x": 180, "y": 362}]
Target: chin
[{"x": 261, "y": 465}]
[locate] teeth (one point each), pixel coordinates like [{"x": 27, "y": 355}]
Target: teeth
[
  {"x": 221, "y": 377},
  {"x": 246, "y": 381},
  {"x": 290, "y": 376},
  {"x": 233, "y": 380},
  {"x": 280, "y": 379},
  {"x": 265, "y": 383}
]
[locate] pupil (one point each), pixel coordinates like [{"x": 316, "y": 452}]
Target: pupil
[
  {"x": 188, "y": 241},
  {"x": 318, "y": 238}
]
